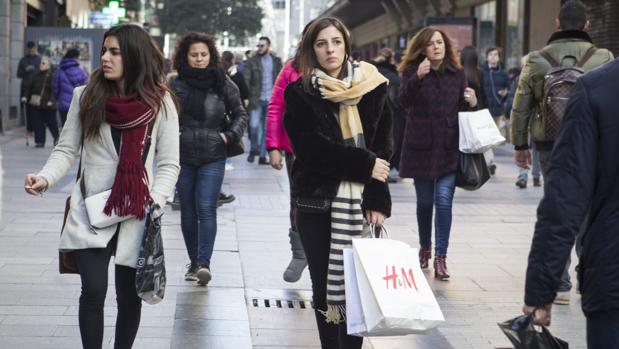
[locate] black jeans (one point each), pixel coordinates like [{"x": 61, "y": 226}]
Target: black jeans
[
  {"x": 42, "y": 118},
  {"x": 603, "y": 330},
  {"x": 315, "y": 232},
  {"x": 93, "y": 265}
]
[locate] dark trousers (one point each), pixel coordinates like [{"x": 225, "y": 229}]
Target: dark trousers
[
  {"x": 289, "y": 157},
  {"x": 603, "y": 330},
  {"x": 42, "y": 118},
  {"x": 63, "y": 117},
  {"x": 315, "y": 232},
  {"x": 93, "y": 266}
]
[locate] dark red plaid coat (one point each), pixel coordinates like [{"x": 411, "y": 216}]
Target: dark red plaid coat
[{"x": 430, "y": 148}]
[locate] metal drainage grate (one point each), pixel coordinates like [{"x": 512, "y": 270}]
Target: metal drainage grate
[{"x": 282, "y": 303}]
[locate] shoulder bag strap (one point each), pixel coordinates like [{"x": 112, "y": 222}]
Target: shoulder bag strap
[
  {"x": 590, "y": 52},
  {"x": 553, "y": 62}
]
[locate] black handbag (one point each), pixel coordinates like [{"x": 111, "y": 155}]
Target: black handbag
[
  {"x": 150, "y": 274},
  {"x": 236, "y": 148},
  {"x": 523, "y": 335},
  {"x": 472, "y": 171},
  {"x": 311, "y": 205}
]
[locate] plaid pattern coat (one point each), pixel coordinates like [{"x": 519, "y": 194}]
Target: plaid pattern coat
[{"x": 430, "y": 147}]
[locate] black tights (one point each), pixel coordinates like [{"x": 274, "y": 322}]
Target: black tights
[
  {"x": 315, "y": 232},
  {"x": 93, "y": 266}
]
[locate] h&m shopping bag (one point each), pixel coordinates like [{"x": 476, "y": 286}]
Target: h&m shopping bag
[
  {"x": 478, "y": 132},
  {"x": 394, "y": 294}
]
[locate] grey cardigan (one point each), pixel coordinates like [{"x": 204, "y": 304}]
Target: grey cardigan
[{"x": 99, "y": 162}]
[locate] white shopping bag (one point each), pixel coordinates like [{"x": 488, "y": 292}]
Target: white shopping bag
[
  {"x": 394, "y": 294},
  {"x": 355, "y": 324},
  {"x": 478, "y": 132}
]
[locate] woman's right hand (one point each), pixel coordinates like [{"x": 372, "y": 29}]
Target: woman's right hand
[
  {"x": 423, "y": 69},
  {"x": 35, "y": 184},
  {"x": 380, "y": 172}
]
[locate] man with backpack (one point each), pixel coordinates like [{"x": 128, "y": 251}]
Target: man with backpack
[{"x": 546, "y": 83}]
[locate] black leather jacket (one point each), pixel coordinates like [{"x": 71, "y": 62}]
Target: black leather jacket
[{"x": 200, "y": 141}]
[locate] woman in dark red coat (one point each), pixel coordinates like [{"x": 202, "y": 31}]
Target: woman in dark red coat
[{"x": 433, "y": 90}]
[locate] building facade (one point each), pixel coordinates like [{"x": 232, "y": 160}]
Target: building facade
[{"x": 517, "y": 26}]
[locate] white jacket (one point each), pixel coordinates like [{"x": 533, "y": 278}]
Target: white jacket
[{"x": 99, "y": 162}]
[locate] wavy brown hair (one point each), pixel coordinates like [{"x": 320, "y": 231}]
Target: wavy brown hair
[
  {"x": 417, "y": 45},
  {"x": 306, "y": 55},
  {"x": 190, "y": 38},
  {"x": 143, "y": 73}
]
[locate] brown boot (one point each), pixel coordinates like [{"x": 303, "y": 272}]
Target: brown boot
[
  {"x": 425, "y": 253},
  {"x": 440, "y": 268}
]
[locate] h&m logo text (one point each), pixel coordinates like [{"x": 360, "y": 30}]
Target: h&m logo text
[{"x": 405, "y": 279}]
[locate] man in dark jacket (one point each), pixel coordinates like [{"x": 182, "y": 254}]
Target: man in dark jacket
[
  {"x": 569, "y": 43},
  {"x": 496, "y": 84},
  {"x": 260, "y": 72},
  {"x": 582, "y": 178},
  {"x": 385, "y": 63},
  {"x": 28, "y": 67}
]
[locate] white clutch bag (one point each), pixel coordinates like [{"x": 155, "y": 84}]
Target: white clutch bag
[{"x": 94, "y": 208}]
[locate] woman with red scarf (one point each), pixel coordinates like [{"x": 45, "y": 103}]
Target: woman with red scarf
[{"x": 108, "y": 122}]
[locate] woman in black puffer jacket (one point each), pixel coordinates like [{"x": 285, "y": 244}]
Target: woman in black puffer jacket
[{"x": 206, "y": 95}]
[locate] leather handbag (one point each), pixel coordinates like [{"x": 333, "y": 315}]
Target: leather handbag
[
  {"x": 96, "y": 203},
  {"x": 311, "y": 205},
  {"x": 472, "y": 171},
  {"x": 66, "y": 259}
]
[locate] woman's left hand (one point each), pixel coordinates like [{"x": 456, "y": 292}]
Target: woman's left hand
[
  {"x": 50, "y": 103},
  {"x": 374, "y": 217},
  {"x": 470, "y": 97},
  {"x": 223, "y": 136}
]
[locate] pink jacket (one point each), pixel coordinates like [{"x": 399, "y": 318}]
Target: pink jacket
[{"x": 276, "y": 137}]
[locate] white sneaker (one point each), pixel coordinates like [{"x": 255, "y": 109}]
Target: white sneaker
[{"x": 562, "y": 298}]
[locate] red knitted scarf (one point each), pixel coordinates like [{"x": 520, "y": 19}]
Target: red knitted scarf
[{"x": 130, "y": 194}]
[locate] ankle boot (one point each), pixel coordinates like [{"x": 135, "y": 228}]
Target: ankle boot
[
  {"x": 298, "y": 263},
  {"x": 440, "y": 268},
  {"x": 425, "y": 254}
]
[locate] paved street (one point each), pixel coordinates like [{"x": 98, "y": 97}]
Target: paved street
[{"x": 247, "y": 304}]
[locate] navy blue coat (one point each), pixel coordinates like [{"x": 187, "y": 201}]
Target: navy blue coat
[
  {"x": 582, "y": 177},
  {"x": 495, "y": 80}
]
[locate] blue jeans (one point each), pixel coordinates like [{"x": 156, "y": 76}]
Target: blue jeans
[
  {"x": 535, "y": 166},
  {"x": 198, "y": 189},
  {"x": 257, "y": 129},
  {"x": 603, "y": 330},
  {"x": 439, "y": 192}
]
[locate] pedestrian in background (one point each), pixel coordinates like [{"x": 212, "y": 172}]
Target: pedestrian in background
[
  {"x": 67, "y": 77},
  {"x": 206, "y": 95},
  {"x": 108, "y": 122},
  {"x": 232, "y": 70},
  {"x": 42, "y": 104},
  {"x": 385, "y": 63},
  {"x": 26, "y": 70},
  {"x": 567, "y": 46},
  {"x": 278, "y": 145},
  {"x": 523, "y": 173},
  {"x": 496, "y": 85},
  {"x": 260, "y": 73},
  {"x": 581, "y": 193},
  {"x": 474, "y": 76},
  {"x": 433, "y": 89},
  {"x": 340, "y": 128}
]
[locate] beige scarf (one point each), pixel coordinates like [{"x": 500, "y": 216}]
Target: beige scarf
[{"x": 346, "y": 213}]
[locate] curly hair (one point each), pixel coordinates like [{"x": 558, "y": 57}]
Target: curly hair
[
  {"x": 416, "y": 46},
  {"x": 190, "y": 38}
]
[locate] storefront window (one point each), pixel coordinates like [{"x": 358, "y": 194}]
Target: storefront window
[
  {"x": 515, "y": 33},
  {"x": 486, "y": 19}
]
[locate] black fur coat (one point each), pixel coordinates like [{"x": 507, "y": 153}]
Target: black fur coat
[{"x": 322, "y": 159}]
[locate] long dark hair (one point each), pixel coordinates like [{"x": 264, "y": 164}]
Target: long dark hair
[
  {"x": 190, "y": 38},
  {"x": 417, "y": 45},
  {"x": 307, "y": 56},
  {"x": 470, "y": 64},
  {"x": 143, "y": 73}
]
